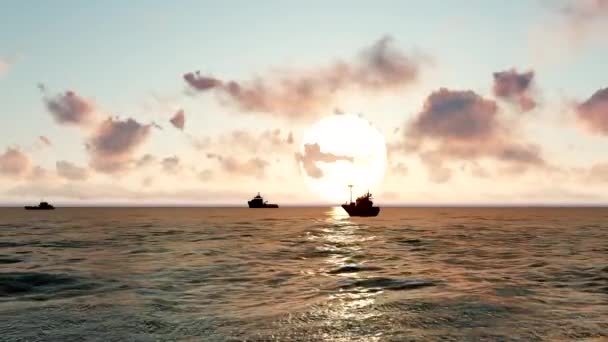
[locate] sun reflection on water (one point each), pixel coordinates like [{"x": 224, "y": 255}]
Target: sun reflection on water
[{"x": 345, "y": 240}]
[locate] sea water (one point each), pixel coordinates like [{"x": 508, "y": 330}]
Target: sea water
[{"x": 303, "y": 274}]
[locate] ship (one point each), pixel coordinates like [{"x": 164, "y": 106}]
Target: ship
[
  {"x": 41, "y": 206},
  {"x": 364, "y": 206},
  {"x": 258, "y": 202}
]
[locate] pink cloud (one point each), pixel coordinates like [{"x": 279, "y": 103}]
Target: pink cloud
[
  {"x": 377, "y": 68},
  {"x": 178, "y": 120},
  {"x": 593, "y": 113},
  {"x": 71, "y": 109},
  {"x": 114, "y": 142},
  {"x": 515, "y": 87},
  {"x": 14, "y": 163}
]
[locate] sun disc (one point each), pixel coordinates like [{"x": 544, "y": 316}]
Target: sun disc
[{"x": 340, "y": 137}]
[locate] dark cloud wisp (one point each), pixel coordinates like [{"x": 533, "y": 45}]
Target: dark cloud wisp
[
  {"x": 312, "y": 155},
  {"x": 515, "y": 87}
]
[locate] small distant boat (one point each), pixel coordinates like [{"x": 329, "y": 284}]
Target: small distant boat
[
  {"x": 364, "y": 206},
  {"x": 41, "y": 206},
  {"x": 258, "y": 202}
]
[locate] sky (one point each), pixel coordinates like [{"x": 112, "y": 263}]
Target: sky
[{"x": 199, "y": 102}]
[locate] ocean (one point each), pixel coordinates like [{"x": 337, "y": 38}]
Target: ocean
[{"x": 303, "y": 274}]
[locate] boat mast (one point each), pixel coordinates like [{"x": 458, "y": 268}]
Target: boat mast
[{"x": 351, "y": 192}]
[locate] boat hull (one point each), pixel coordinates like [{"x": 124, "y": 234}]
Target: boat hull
[
  {"x": 37, "y": 208},
  {"x": 361, "y": 212},
  {"x": 263, "y": 206}
]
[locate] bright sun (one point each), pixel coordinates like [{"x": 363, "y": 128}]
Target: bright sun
[{"x": 352, "y": 151}]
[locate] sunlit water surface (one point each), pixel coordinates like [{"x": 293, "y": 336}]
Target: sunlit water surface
[{"x": 303, "y": 274}]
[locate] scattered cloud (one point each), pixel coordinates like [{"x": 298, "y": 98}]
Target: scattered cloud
[
  {"x": 14, "y": 163},
  {"x": 70, "y": 171},
  {"x": 201, "y": 83},
  {"x": 593, "y": 113},
  {"x": 114, "y": 142},
  {"x": 7, "y": 62},
  {"x": 582, "y": 16},
  {"x": 205, "y": 175},
  {"x": 312, "y": 155},
  {"x": 377, "y": 68},
  {"x": 515, "y": 87},
  {"x": 462, "y": 125},
  {"x": 569, "y": 28},
  {"x": 170, "y": 165},
  {"x": 290, "y": 138},
  {"x": 270, "y": 140},
  {"x": 71, "y": 109},
  {"x": 101, "y": 192},
  {"x": 38, "y": 173},
  {"x": 178, "y": 120},
  {"x": 399, "y": 169},
  {"x": 230, "y": 165},
  {"x": 45, "y": 140},
  {"x": 147, "y": 181},
  {"x": 598, "y": 173},
  {"x": 146, "y": 160}
]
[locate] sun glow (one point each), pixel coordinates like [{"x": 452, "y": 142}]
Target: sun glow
[{"x": 345, "y": 136}]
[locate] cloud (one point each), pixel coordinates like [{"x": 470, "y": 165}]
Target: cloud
[
  {"x": 178, "y": 120},
  {"x": 146, "y": 160},
  {"x": 598, "y": 173},
  {"x": 458, "y": 116},
  {"x": 45, "y": 140},
  {"x": 570, "y": 27},
  {"x": 461, "y": 125},
  {"x": 377, "y": 68},
  {"x": 270, "y": 140},
  {"x": 205, "y": 175},
  {"x": 399, "y": 169},
  {"x": 147, "y": 182},
  {"x": 7, "y": 62},
  {"x": 582, "y": 15},
  {"x": 71, "y": 109},
  {"x": 38, "y": 173},
  {"x": 4, "y": 66},
  {"x": 14, "y": 163},
  {"x": 198, "y": 82},
  {"x": 593, "y": 113},
  {"x": 250, "y": 167},
  {"x": 290, "y": 138},
  {"x": 114, "y": 142},
  {"x": 170, "y": 165},
  {"x": 101, "y": 192},
  {"x": 312, "y": 154},
  {"x": 515, "y": 87},
  {"x": 70, "y": 171}
]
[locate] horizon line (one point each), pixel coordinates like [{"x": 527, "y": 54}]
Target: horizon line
[{"x": 314, "y": 205}]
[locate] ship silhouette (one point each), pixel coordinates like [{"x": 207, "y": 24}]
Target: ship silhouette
[
  {"x": 41, "y": 206},
  {"x": 364, "y": 206},
  {"x": 258, "y": 202}
]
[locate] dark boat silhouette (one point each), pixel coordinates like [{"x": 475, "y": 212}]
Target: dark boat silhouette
[
  {"x": 364, "y": 206},
  {"x": 41, "y": 206},
  {"x": 258, "y": 202}
]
